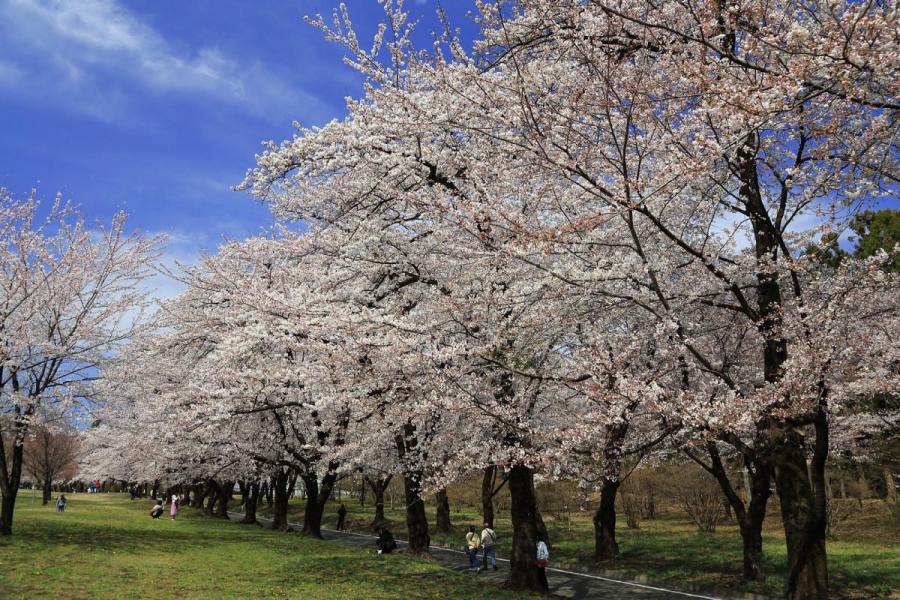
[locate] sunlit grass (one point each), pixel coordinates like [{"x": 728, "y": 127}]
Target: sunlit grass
[{"x": 105, "y": 546}]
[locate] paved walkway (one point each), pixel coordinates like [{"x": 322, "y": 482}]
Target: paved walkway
[{"x": 563, "y": 583}]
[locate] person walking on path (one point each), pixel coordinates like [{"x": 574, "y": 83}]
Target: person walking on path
[
  {"x": 488, "y": 539},
  {"x": 342, "y": 514},
  {"x": 174, "y": 510},
  {"x": 61, "y": 503},
  {"x": 473, "y": 542},
  {"x": 541, "y": 562}
]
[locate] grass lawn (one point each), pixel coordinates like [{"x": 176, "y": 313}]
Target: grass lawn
[
  {"x": 105, "y": 546},
  {"x": 864, "y": 562}
]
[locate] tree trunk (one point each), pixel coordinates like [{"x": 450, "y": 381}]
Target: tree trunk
[
  {"x": 270, "y": 492},
  {"x": 605, "y": 546},
  {"x": 890, "y": 489},
  {"x": 807, "y": 565},
  {"x": 201, "y": 491},
  {"x": 802, "y": 511},
  {"x": 362, "y": 492},
  {"x": 416, "y": 519},
  {"x": 251, "y": 500},
  {"x": 442, "y": 520},
  {"x": 861, "y": 482},
  {"x": 225, "y": 490},
  {"x": 523, "y": 573},
  {"x": 279, "y": 489},
  {"x": 378, "y": 488},
  {"x": 213, "y": 497},
  {"x": 47, "y": 491},
  {"x": 487, "y": 494}
]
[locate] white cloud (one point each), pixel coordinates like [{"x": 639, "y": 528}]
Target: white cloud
[{"x": 78, "y": 43}]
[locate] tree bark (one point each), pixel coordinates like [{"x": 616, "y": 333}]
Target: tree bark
[
  {"x": 47, "y": 490},
  {"x": 442, "y": 519},
  {"x": 487, "y": 494},
  {"x": 890, "y": 488},
  {"x": 605, "y": 546},
  {"x": 861, "y": 482},
  {"x": 212, "y": 497},
  {"x": 279, "y": 489},
  {"x": 807, "y": 566},
  {"x": 801, "y": 510},
  {"x": 378, "y": 488},
  {"x": 416, "y": 519},
  {"x": 250, "y": 496},
  {"x": 523, "y": 575},
  {"x": 225, "y": 489}
]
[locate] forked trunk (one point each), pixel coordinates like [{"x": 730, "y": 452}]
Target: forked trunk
[
  {"x": 280, "y": 494},
  {"x": 378, "y": 486},
  {"x": 250, "y": 495}
]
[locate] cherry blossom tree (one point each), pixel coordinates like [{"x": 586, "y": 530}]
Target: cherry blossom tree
[{"x": 71, "y": 298}]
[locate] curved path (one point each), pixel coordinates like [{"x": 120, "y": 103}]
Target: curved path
[{"x": 563, "y": 583}]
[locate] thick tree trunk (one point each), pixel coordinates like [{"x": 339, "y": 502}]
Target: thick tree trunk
[
  {"x": 523, "y": 574},
  {"x": 442, "y": 519},
  {"x": 270, "y": 493},
  {"x": 807, "y": 565},
  {"x": 416, "y": 519},
  {"x": 605, "y": 546},
  {"x": 10, "y": 479},
  {"x": 312, "y": 512},
  {"x": 487, "y": 494},
  {"x": 7, "y": 505},
  {"x": 226, "y": 489},
  {"x": 279, "y": 488}
]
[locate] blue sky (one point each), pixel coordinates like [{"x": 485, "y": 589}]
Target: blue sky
[{"x": 157, "y": 107}]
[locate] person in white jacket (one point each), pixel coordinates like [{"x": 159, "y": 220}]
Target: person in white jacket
[{"x": 542, "y": 560}]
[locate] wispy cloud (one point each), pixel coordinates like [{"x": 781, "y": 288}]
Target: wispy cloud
[{"x": 101, "y": 55}]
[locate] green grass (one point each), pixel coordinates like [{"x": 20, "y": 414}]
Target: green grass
[
  {"x": 105, "y": 546},
  {"x": 864, "y": 562}
]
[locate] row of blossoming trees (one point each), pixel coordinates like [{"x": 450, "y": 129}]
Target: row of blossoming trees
[{"x": 578, "y": 243}]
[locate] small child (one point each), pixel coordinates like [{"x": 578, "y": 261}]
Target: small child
[{"x": 61, "y": 503}]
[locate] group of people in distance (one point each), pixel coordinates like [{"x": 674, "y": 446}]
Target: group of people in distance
[
  {"x": 160, "y": 507},
  {"x": 485, "y": 541}
]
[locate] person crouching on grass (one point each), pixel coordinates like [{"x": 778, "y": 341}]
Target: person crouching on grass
[{"x": 385, "y": 542}]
